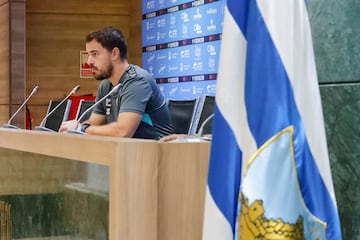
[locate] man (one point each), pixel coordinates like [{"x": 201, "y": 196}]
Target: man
[{"x": 137, "y": 109}]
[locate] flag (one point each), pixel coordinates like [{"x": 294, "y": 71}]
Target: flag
[{"x": 269, "y": 167}]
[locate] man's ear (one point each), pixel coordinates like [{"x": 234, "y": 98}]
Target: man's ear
[{"x": 115, "y": 53}]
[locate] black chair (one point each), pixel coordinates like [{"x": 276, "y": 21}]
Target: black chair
[
  {"x": 205, "y": 114},
  {"x": 182, "y": 113},
  {"x": 54, "y": 120},
  {"x": 83, "y": 106}
]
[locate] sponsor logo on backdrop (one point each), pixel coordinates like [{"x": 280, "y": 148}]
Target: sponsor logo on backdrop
[{"x": 181, "y": 41}]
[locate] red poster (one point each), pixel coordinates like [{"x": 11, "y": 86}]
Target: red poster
[{"x": 85, "y": 70}]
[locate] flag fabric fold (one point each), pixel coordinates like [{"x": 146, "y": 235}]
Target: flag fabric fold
[{"x": 267, "y": 82}]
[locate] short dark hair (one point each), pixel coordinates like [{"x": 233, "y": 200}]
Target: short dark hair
[{"x": 109, "y": 38}]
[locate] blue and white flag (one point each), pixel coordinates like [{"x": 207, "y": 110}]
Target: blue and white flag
[{"x": 269, "y": 172}]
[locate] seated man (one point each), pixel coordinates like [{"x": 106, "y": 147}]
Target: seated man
[{"x": 137, "y": 109}]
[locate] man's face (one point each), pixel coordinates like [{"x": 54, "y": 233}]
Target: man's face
[{"x": 99, "y": 60}]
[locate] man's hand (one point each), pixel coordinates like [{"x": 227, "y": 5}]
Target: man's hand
[
  {"x": 68, "y": 125},
  {"x": 173, "y": 137}
]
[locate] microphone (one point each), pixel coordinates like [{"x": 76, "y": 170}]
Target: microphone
[
  {"x": 8, "y": 125},
  {"x": 201, "y": 129},
  {"x": 115, "y": 89},
  {"x": 42, "y": 124},
  {"x": 197, "y": 137}
]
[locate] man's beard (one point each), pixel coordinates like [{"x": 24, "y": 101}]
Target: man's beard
[{"x": 104, "y": 74}]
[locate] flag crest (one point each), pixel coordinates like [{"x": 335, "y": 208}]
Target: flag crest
[{"x": 271, "y": 204}]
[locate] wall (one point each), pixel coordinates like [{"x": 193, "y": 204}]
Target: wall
[
  {"x": 55, "y": 37},
  {"x": 336, "y": 37},
  {"x": 12, "y": 58}
]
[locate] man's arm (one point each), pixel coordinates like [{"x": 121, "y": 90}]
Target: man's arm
[
  {"x": 94, "y": 119},
  {"x": 125, "y": 125}
]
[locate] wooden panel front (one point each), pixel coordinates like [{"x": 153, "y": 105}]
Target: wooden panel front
[
  {"x": 133, "y": 167},
  {"x": 182, "y": 183},
  {"x": 134, "y": 182}
]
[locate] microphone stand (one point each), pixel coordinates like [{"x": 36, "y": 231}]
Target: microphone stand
[
  {"x": 75, "y": 130},
  {"x": 201, "y": 129},
  {"x": 197, "y": 137},
  {"x": 42, "y": 124},
  {"x": 8, "y": 124}
]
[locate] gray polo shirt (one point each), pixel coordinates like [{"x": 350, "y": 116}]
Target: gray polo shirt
[{"x": 139, "y": 93}]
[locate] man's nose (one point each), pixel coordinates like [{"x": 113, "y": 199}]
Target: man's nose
[{"x": 90, "y": 60}]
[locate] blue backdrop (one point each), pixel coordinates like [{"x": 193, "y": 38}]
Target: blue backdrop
[{"x": 181, "y": 45}]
